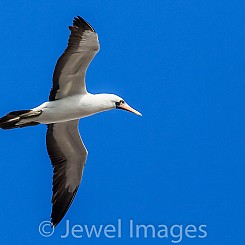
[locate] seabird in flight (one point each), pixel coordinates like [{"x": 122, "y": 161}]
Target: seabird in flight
[{"x": 68, "y": 102}]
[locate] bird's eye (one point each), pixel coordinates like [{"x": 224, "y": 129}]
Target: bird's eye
[{"x": 121, "y": 102}]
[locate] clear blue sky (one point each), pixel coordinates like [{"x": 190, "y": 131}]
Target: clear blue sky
[{"x": 179, "y": 62}]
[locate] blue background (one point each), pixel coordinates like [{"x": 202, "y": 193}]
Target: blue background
[{"x": 179, "y": 62}]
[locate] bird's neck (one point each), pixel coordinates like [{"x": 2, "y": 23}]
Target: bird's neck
[{"x": 99, "y": 102}]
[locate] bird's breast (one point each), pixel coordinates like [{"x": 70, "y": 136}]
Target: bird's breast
[{"x": 70, "y": 108}]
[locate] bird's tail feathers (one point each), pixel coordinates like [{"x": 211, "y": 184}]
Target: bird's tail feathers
[{"x": 17, "y": 119}]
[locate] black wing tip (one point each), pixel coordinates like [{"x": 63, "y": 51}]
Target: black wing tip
[
  {"x": 59, "y": 211},
  {"x": 53, "y": 224},
  {"x": 80, "y": 22}
]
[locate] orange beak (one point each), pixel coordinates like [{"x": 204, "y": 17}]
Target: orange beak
[{"x": 128, "y": 108}]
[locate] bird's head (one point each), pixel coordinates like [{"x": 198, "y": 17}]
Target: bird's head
[{"x": 118, "y": 103}]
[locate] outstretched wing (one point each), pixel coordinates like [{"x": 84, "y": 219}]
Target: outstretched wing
[
  {"x": 70, "y": 69},
  {"x": 68, "y": 156}
]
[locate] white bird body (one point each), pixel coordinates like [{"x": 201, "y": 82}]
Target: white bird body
[{"x": 73, "y": 107}]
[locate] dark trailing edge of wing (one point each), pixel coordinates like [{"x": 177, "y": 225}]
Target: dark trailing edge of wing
[
  {"x": 53, "y": 91},
  {"x": 62, "y": 197}
]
